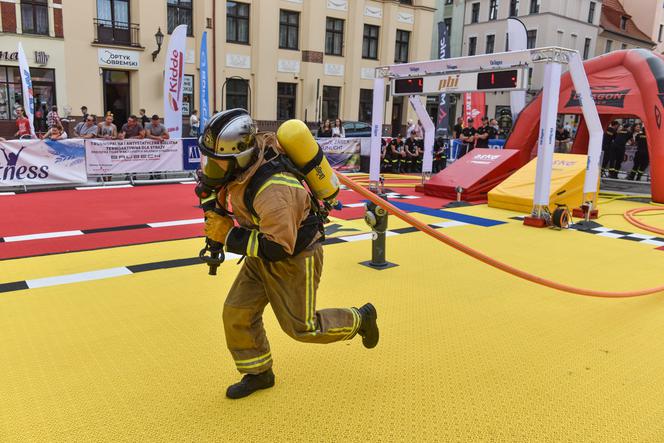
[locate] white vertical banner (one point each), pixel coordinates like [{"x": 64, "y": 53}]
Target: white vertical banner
[
  {"x": 376, "y": 128},
  {"x": 518, "y": 41},
  {"x": 429, "y": 132},
  {"x": 546, "y": 143},
  {"x": 591, "y": 117},
  {"x": 173, "y": 77},
  {"x": 28, "y": 94}
]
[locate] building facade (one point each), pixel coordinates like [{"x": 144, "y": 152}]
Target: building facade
[
  {"x": 568, "y": 23},
  {"x": 618, "y": 30},
  {"x": 280, "y": 59},
  {"x": 648, "y": 16}
]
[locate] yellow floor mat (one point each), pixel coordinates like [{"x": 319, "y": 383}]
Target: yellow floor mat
[{"x": 467, "y": 353}]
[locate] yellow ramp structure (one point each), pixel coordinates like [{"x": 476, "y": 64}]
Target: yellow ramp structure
[{"x": 516, "y": 193}]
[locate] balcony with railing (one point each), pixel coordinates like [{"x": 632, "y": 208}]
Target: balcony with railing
[{"x": 109, "y": 32}]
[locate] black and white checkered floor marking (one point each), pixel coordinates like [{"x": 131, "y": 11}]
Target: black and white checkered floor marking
[
  {"x": 615, "y": 233},
  {"x": 102, "y": 274}
]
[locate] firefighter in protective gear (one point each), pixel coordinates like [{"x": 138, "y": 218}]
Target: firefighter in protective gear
[
  {"x": 279, "y": 231},
  {"x": 641, "y": 158}
]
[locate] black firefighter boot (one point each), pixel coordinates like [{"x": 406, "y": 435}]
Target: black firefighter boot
[
  {"x": 368, "y": 328},
  {"x": 251, "y": 383}
]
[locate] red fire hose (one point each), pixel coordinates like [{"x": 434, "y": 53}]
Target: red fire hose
[{"x": 485, "y": 258}]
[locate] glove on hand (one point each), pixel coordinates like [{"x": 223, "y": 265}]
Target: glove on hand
[{"x": 217, "y": 226}]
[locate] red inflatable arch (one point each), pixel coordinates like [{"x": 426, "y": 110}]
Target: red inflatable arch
[{"x": 628, "y": 83}]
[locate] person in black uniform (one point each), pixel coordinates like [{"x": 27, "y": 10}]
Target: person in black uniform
[
  {"x": 458, "y": 127},
  {"x": 641, "y": 158},
  {"x": 384, "y": 156},
  {"x": 468, "y": 135},
  {"x": 397, "y": 155},
  {"x": 623, "y": 135},
  {"x": 419, "y": 144},
  {"x": 485, "y": 133},
  {"x": 439, "y": 155},
  {"x": 562, "y": 139},
  {"x": 410, "y": 146},
  {"x": 607, "y": 142}
]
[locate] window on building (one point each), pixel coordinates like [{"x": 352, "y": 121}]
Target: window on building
[
  {"x": 623, "y": 46},
  {"x": 334, "y": 36},
  {"x": 607, "y": 48},
  {"x": 366, "y": 105},
  {"x": 493, "y": 10},
  {"x": 370, "y": 42},
  {"x": 286, "y": 94},
  {"x": 475, "y": 13},
  {"x": 591, "y": 12},
  {"x": 531, "y": 39},
  {"x": 237, "y": 22},
  {"x": 448, "y": 27},
  {"x": 289, "y": 29},
  {"x": 659, "y": 35},
  {"x": 113, "y": 26},
  {"x": 237, "y": 93},
  {"x": 449, "y": 2},
  {"x": 623, "y": 22},
  {"x": 472, "y": 45},
  {"x": 534, "y": 6},
  {"x": 401, "y": 49},
  {"x": 11, "y": 91},
  {"x": 180, "y": 12},
  {"x": 514, "y": 8},
  {"x": 586, "y": 49},
  {"x": 559, "y": 40},
  {"x": 331, "y": 96},
  {"x": 490, "y": 43},
  {"x": 406, "y": 2},
  {"x": 34, "y": 16},
  {"x": 507, "y": 41}
]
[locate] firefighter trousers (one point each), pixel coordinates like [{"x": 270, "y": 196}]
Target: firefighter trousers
[{"x": 289, "y": 286}]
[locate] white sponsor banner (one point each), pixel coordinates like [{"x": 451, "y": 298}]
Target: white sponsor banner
[
  {"x": 132, "y": 155},
  {"x": 26, "y": 81},
  {"x": 173, "y": 82},
  {"x": 117, "y": 58},
  {"x": 42, "y": 162},
  {"x": 343, "y": 154}
]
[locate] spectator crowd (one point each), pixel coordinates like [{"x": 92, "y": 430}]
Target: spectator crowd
[{"x": 92, "y": 126}]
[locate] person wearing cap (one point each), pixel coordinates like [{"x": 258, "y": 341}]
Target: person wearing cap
[
  {"x": 155, "y": 130},
  {"x": 278, "y": 226}
]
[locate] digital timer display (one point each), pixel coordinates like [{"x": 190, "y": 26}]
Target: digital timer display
[
  {"x": 497, "y": 80},
  {"x": 408, "y": 85}
]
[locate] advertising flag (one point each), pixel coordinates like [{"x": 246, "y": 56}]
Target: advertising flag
[
  {"x": 474, "y": 105},
  {"x": 28, "y": 94},
  {"x": 173, "y": 77},
  {"x": 518, "y": 39},
  {"x": 443, "y": 120},
  {"x": 205, "y": 106}
]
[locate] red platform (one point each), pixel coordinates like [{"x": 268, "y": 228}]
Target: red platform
[{"x": 477, "y": 173}]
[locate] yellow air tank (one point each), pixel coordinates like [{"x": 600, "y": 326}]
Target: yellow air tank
[{"x": 301, "y": 147}]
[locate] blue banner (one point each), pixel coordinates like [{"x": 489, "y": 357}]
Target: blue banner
[
  {"x": 191, "y": 155},
  {"x": 205, "y": 105}
]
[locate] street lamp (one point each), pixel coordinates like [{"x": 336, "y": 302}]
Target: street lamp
[{"x": 159, "y": 37}]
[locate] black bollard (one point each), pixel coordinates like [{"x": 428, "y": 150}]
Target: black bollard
[{"x": 376, "y": 217}]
